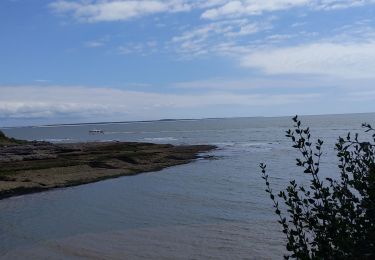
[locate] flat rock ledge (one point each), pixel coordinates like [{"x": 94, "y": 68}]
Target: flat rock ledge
[{"x": 39, "y": 166}]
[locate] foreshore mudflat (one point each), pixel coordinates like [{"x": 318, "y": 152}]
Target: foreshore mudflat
[{"x": 27, "y": 167}]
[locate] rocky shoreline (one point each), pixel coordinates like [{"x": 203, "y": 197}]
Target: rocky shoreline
[{"x": 28, "y": 167}]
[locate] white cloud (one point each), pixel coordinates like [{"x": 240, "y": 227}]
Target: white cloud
[
  {"x": 116, "y": 10},
  {"x": 344, "y": 60},
  {"x": 42, "y": 80},
  {"x": 219, "y": 83},
  {"x": 341, "y": 4},
  {"x": 143, "y": 48},
  {"x": 103, "y": 103},
  {"x": 240, "y": 8},
  {"x": 257, "y": 83},
  {"x": 254, "y": 7},
  {"x": 94, "y": 44},
  {"x": 99, "y": 42},
  {"x": 211, "y": 37},
  {"x": 131, "y": 48}
]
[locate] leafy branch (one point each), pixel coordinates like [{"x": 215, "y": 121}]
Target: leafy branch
[{"x": 334, "y": 218}]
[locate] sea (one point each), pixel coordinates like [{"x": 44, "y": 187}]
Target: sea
[{"x": 211, "y": 208}]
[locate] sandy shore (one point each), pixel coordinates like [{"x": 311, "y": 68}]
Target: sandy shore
[{"x": 27, "y": 167}]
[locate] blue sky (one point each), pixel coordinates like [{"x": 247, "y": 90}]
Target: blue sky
[{"x": 117, "y": 60}]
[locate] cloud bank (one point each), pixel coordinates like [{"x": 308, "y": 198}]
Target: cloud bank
[
  {"x": 343, "y": 60},
  {"x": 100, "y": 103}
]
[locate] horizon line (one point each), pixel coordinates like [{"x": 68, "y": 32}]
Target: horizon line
[{"x": 173, "y": 119}]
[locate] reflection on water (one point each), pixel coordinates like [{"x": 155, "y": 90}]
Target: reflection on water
[{"x": 207, "y": 209}]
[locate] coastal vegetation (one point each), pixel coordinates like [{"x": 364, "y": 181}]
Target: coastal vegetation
[
  {"x": 32, "y": 166},
  {"x": 332, "y": 218},
  {"x": 4, "y": 140}
]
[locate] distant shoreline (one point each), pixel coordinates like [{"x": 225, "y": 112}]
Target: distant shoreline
[
  {"x": 176, "y": 119},
  {"x": 31, "y": 167}
]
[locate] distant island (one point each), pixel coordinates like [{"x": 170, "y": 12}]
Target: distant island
[{"x": 34, "y": 166}]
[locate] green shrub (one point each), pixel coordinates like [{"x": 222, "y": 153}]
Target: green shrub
[{"x": 334, "y": 218}]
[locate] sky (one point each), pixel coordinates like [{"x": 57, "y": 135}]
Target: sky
[{"x": 65, "y": 61}]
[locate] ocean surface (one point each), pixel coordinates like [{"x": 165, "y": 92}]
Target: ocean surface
[{"x": 208, "y": 209}]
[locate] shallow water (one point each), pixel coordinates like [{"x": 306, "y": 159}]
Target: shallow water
[{"x": 206, "y": 209}]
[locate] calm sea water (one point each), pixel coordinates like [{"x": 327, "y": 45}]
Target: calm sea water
[{"x": 208, "y": 209}]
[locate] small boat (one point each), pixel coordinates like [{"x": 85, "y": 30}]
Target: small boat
[{"x": 96, "y": 131}]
